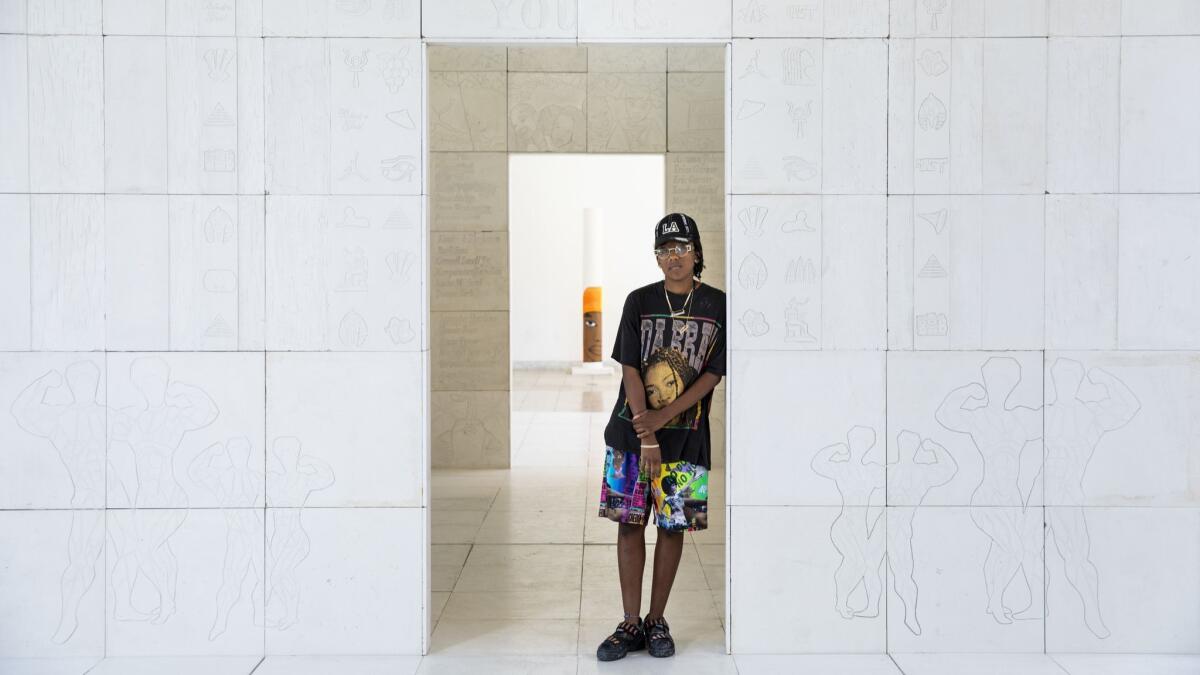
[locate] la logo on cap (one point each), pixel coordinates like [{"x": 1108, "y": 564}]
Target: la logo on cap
[{"x": 670, "y": 227}]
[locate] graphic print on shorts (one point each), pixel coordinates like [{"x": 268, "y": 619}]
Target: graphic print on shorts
[
  {"x": 681, "y": 497},
  {"x": 680, "y": 493},
  {"x": 622, "y": 494}
]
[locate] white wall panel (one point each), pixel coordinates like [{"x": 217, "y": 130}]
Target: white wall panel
[
  {"x": 1159, "y": 301},
  {"x": 137, "y": 272},
  {"x": 15, "y": 259},
  {"x": 635, "y": 19},
  {"x": 135, "y": 114},
  {"x": 328, "y": 444},
  {"x": 1081, "y": 271},
  {"x": 14, "y": 113},
  {"x": 1160, "y": 114},
  {"x": 67, "y": 271},
  {"x": 66, "y": 120},
  {"x": 1083, "y": 100},
  {"x": 854, "y": 141}
]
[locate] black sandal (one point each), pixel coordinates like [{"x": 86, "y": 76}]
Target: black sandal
[
  {"x": 658, "y": 637},
  {"x": 628, "y": 637}
]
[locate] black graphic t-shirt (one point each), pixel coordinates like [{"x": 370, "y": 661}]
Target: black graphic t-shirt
[{"x": 670, "y": 352}]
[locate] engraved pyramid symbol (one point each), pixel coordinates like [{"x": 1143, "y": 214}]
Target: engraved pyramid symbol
[
  {"x": 219, "y": 328},
  {"x": 397, "y": 220},
  {"x": 219, "y": 117},
  {"x": 932, "y": 269}
]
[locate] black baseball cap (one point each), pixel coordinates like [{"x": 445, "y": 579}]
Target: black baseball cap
[{"x": 675, "y": 227}]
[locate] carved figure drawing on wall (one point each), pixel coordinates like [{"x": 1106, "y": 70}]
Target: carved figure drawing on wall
[
  {"x": 857, "y": 531},
  {"x": 229, "y": 473},
  {"x": 150, "y": 433},
  {"x": 292, "y": 476},
  {"x": 1000, "y": 434},
  {"x": 1081, "y": 412},
  {"x": 920, "y": 465},
  {"x": 76, "y": 432}
]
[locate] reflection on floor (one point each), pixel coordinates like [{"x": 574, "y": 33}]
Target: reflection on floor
[{"x": 522, "y": 564}]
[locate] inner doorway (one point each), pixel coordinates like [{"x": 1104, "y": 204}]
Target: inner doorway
[{"x": 521, "y": 562}]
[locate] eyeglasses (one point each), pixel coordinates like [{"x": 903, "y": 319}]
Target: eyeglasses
[{"x": 678, "y": 250}]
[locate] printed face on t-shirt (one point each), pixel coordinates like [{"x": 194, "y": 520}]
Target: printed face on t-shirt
[{"x": 662, "y": 385}]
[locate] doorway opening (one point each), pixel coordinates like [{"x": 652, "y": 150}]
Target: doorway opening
[{"x": 522, "y": 141}]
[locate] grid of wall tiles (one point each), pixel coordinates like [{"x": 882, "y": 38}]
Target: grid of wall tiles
[{"x": 961, "y": 257}]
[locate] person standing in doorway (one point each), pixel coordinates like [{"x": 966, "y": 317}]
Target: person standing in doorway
[{"x": 671, "y": 347}]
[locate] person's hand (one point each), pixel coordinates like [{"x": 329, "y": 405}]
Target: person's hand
[
  {"x": 649, "y": 461},
  {"x": 649, "y": 421}
]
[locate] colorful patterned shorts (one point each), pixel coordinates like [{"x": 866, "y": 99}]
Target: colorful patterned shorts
[{"x": 680, "y": 493}]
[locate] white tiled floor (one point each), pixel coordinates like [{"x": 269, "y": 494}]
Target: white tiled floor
[
  {"x": 525, "y": 579},
  {"x": 522, "y": 563}
]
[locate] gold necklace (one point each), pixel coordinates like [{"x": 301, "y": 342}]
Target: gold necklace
[{"x": 688, "y": 299}]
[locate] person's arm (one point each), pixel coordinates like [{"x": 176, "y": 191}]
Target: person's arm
[{"x": 950, "y": 413}]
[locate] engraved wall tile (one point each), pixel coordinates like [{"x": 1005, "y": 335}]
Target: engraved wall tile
[
  {"x": 353, "y": 572},
  {"x": 854, "y": 135},
  {"x": 696, "y": 112},
  {"x": 468, "y": 191},
  {"x": 66, "y": 122},
  {"x": 695, "y": 59},
  {"x": 663, "y": 19},
  {"x": 324, "y": 419},
  {"x": 135, "y": 17},
  {"x": 67, "y": 271},
  {"x": 1159, "y": 301},
  {"x": 202, "y": 114},
  {"x": 64, "y": 16},
  {"x": 135, "y": 133},
  {"x": 136, "y": 279},
  {"x": 344, "y": 273},
  {"x": 1098, "y": 404},
  {"x": 1142, "y": 570},
  {"x": 14, "y": 113},
  {"x": 53, "y": 432},
  {"x": 626, "y": 58},
  {"x": 466, "y": 58},
  {"x": 470, "y": 351},
  {"x": 1014, "y": 118},
  {"x": 468, "y": 271},
  {"x": 778, "y": 18},
  {"x": 695, "y": 186},
  {"x": 375, "y": 100},
  {"x": 844, "y": 419},
  {"x": 626, "y": 112},
  {"x": 777, "y": 116},
  {"x": 205, "y": 237},
  {"x": 1160, "y": 114},
  {"x": 470, "y": 429},
  {"x": 15, "y": 302},
  {"x": 776, "y": 268},
  {"x": 931, "y": 114},
  {"x": 171, "y": 408},
  {"x": 547, "y": 112},
  {"x": 1083, "y": 136},
  {"x": 1081, "y": 271},
  {"x": 297, "y": 115},
  {"x": 320, "y": 18},
  {"x": 1013, "y": 259},
  {"x": 548, "y": 59},
  {"x": 36, "y": 547},
  {"x": 468, "y": 111},
  {"x": 954, "y": 601},
  {"x": 1083, "y": 17},
  {"x": 484, "y": 18},
  {"x": 198, "y": 540}
]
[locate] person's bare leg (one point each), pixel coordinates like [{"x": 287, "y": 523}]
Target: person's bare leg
[
  {"x": 631, "y": 562},
  {"x": 667, "y": 552}
]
